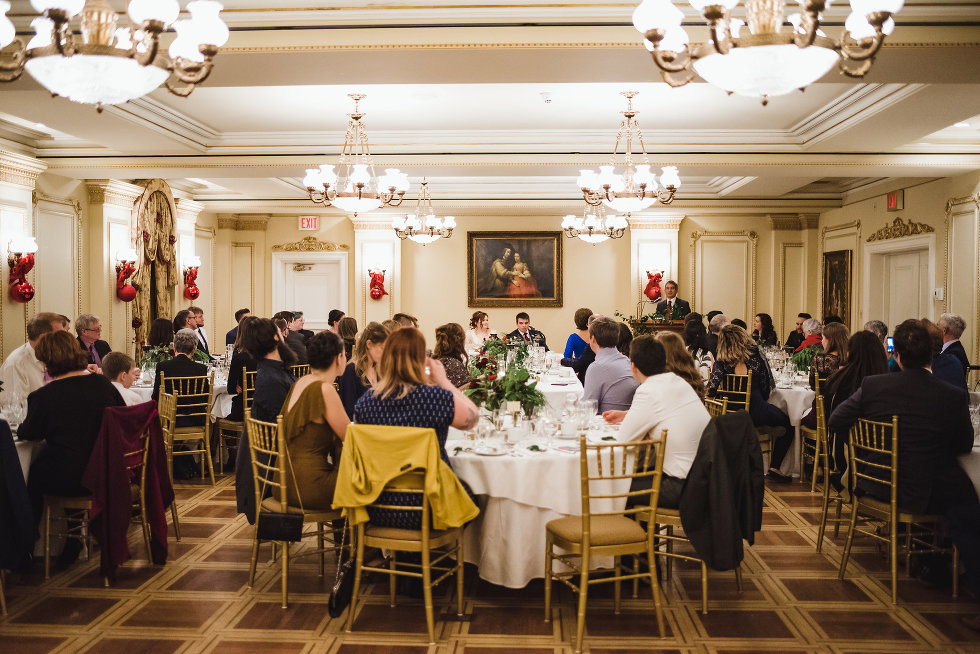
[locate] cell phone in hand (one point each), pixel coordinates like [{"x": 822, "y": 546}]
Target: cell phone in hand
[{"x": 889, "y": 344}]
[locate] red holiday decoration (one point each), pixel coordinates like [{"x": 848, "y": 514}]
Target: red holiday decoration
[
  {"x": 20, "y": 289},
  {"x": 377, "y": 284},
  {"x": 191, "y": 291},
  {"x": 125, "y": 290},
  {"x": 652, "y": 290}
]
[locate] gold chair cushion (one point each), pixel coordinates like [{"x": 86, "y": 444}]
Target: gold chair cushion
[
  {"x": 76, "y": 503},
  {"x": 606, "y": 530},
  {"x": 882, "y": 509},
  {"x": 437, "y": 537},
  {"x": 273, "y": 505},
  {"x": 225, "y": 423}
]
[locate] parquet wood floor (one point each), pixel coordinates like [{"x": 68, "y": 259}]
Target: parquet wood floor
[{"x": 199, "y": 602}]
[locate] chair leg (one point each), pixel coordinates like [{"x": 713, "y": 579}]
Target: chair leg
[
  {"x": 617, "y": 587},
  {"x": 636, "y": 580},
  {"x": 704, "y": 588},
  {"x": 956, "y": 573},
  {"x": 548, "y": 554},
  {"x": 840, "y": 509},
  {"x": 583, "y": 596},
  {"x": 460, "y": 560},
  {"x": 207, "y": 455},
  {"x": 319, "y": 544},
  {"x": 850, "y": 539},
  {"x": 816, "y": 461},
  {"x": 392, "y": 579},
  {"x": 427, "y": 594},
  {"x": 173, "y": 515},
  {"x": 655, "y": 587},
  {"x": 893, "y": 558},
  {"x": 358, "y": 562},
  {"x": 285, "y": 575},
  {"x": 3, "y": 600},
  {"x": 47, "y": 541},
  {"x": 255, "y": 554},
  {"x": 738, "y": 577},
  {"x": 823, "y": 517},
  {"x": 146, "y": 534}
]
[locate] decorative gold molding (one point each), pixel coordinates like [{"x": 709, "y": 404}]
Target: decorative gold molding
[
  {"x": 113, "y": 192},
  {"x": 20, "y": 170},
  {"x": 826, "y": 229},
  {"x": 666, "y": 223},
  {"x": 372, "y": 226},
  {"x": 793, "y": 221},
  {"x": 245, "y": 222},
  {"x": 899, "y": 229},
  {"x": 310, "y": 244}
]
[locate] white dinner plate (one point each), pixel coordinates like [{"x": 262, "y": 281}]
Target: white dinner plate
[{"x": 490, "y": 452}]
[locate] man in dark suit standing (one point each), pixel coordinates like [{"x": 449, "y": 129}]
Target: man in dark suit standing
[
  {"x": 526, "y": 332},
  {"x": 672, "y": 306},
  {"x": 232, "y": 334},
  {"x": 934, "y": 428},
  {"x": 952, "y": 327},
  {"x": 89, "y": 330}
]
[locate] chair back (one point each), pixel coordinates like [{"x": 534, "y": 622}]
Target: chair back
[
  {"x": 135, "y": 461},
  {"x": 715, "y": 407},
  {"x": 248, "y": 389},
  {"x": 268, "y": 450},
  {"x": 738, "y": 390},
  {"x": 818, "y": 381},
  {"x": 608, "y": 471},
  {"x": 167, "y": 408},
  {"x": 194, "y": 395},
  {"x": 821, "y": 422},
  {"x": 874, "y": 457},
  {"x": 298, "y": 371}
]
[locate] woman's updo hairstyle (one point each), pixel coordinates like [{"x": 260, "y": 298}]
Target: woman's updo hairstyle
[{"x": 323, "y": 349}]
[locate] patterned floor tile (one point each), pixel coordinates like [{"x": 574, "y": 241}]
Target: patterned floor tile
[
  {"x": 744, "y": 624},
  {"x": 825, "y": 590},
  {"x": 174, "y": 613},
  {"x": 217, "y": 581},
  {"x": 133, "y": 645},
  {"x": 76, "y": 611},
  {"x": 257, "y": 647},
  {"x": 271, "y": 615},
  {"x": 860, "y": 625}
]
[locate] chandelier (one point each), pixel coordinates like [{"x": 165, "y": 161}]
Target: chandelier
[
  {"x": 594, "y": 226},
  {"x": 106, "y": 64},
  {"x": 357, "y": 188},
  {"x": 636, "y": 189},
  {"x": 423, "y": 227},
  {"x": 771, "y": 60}
]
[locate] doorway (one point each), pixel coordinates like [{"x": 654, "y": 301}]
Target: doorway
[
  {"x": 311, "y": 282},
  {"x": 899, "y": 276}
]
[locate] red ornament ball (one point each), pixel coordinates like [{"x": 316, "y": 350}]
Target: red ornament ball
[
  {"x": 377, "y": 293},
  {"x": 192, "y": 292},
  {"x": 127, "y": 293},
  {"x": 21, "y": 292}
]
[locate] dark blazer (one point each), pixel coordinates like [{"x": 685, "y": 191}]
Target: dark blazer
[
  {"x": 231, "y": 336},
  {"x": 934, "y": 428},
  {"x": 101, "y": 347},
  {"x": 179, "y": 366},
  {"x": 535, "y": 335},
  {"x": 794, "y": 340},
  {"x": 947, "y": 368},
  {"x": 722, "y": 499},
  {"x": 956, "y": 350},
  {"x": 296, "y": 344},
  {"x": 581, "y": 364},
  {"x": 681, "y": 308}
]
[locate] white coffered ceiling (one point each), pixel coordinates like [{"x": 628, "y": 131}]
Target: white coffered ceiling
[{"x": 457, "y": 93}]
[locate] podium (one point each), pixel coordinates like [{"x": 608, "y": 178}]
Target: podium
[{"x": 654, "y": 326}]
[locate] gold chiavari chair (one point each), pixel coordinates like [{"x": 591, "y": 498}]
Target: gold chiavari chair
[
  {"x": 78, "y": 510},
  {"x": 299, "y": 370},
  {"x": 716, "y": 407},
  {"x": 270, "y": 465},
  {"x": 230, "y": 432},
  {"x": 873, "y": 450},
  {"x": 812, "y": 446},
  {"x": 738, "y": 390},
  {"x": 607, "y": 472},
  {"x": 808, "y": 438},
  {"x": 248, "y": 390},
  {"x": 167, "y": 409},
  {"x": 195, "y": 396},
  {"x": 822, "y": 454}
]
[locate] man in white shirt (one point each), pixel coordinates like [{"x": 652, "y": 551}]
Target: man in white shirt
[
  {"x": 121, "y": 370},
  {"x": 662, "y": 401},
  {"x": 610, "y": 381},
  {"x": 22, "y": 373}
]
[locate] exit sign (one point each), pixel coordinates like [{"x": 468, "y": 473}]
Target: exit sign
[
  {"x": 309, "y": 223},
  {"x": 895, "y": 201}
]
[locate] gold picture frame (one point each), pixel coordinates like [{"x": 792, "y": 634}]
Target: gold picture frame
[{"x": 514, "y": 269}]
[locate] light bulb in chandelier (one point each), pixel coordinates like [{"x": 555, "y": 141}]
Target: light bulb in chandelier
[
  {"x": 7, "y": 30},
  {"x": 162, "y": 11}
]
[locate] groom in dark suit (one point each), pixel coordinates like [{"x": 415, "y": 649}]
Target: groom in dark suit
[
  {"x": 672, "y": 306},
  {"x": 526, "y": 332}
]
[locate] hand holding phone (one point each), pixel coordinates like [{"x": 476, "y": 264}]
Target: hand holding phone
[{"x": 889, "y": 344}]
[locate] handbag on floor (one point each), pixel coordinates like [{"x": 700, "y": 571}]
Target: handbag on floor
[
  {"x": 275, "y": 525},
  {"x": 343, "y": 587}
]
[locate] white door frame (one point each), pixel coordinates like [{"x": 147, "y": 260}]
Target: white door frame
[
  {"x": 875, "y": 253},
  {"x": 282, "y": 259}
]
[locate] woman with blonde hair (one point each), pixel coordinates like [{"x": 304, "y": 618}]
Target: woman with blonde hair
[
  {"x": 478, "y": 333},
  {"x": 680, "y": 362},
  {"x": 362, "y": 372},
  {"x": 450, "y": 353}
]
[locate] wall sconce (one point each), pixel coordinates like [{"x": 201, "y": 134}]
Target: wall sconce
[
  {"x": 377, "y": 283},
  {"x": 20, "y": 259},
  {"x": 125, "y": 267},
  {"x": 191, "y": 291}
]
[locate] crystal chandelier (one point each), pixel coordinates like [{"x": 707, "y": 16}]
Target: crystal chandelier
[
  {"x": 423, "y": 226},
  {"x": 771, "y": 60},
  {"x": 106, "y": 64},
  {"x": 636, "y": 189},
  {"x": 594, "y": 226},
  {"x": 357, "y": 189}
]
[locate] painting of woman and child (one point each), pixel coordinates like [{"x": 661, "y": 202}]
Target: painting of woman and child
[{"x": 507, "y": 269}]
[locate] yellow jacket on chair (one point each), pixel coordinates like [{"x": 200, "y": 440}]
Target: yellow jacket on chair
[{"x": 374, "y": 455}]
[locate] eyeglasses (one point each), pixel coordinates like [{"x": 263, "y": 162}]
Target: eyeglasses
[{"x": 93, "y": 329}]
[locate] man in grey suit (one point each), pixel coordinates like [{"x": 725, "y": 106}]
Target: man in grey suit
[{"x": 672, "y": 306}]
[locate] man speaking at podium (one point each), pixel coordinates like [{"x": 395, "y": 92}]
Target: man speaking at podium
[{"x": 672, "y": 306}]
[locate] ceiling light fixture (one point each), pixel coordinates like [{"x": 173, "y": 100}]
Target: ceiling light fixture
[
  {"x": 357, "y": 189},
  {"x": 105, "y": 64},
  {"x": 423, "y": 226},
  {"x": 636, "y": 189},
  {"x": 594, "y": 226},
  {"x": 771, "y": 60}
]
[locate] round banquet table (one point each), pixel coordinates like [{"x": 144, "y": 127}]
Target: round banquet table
[
  {"x": 556, "y": 389},
  {"x": 971, "y": 462},
  {"x": 518, "y": 496},
  {"x": 793, "y": 402}
]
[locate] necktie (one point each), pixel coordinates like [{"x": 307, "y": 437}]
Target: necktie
[
  {"x": 670, "y": 307},
  {"x": 203, "y": 340},
  {"x": 96, "y": 359},
  {"x": 527, "y": 336}
]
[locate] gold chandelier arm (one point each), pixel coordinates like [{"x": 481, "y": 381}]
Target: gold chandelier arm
[
  {"x": 192, "y": 72},
  {"x": 675, "y": 80},
  {"x": 153, "y": 47},
  {"x": 591, "y": 199},
  {"x": 857, "y": 72},
  {"x": 866, "y": 48},
  {"x": 12, "y": 63},
  {"x": 666, "y": 61},
  {"x": 721, "y": 37},
  {"x": 62, "y": 38},
  {"x": 811, "y": 23}
]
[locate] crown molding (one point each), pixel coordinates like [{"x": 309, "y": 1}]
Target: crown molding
[
  {"x": 793, "y": 222},
  {"x": 113, "y": 192},
  {"x": 670, "y": 223},
  {"x": 19, "y": 169},
  {"x": 243, "y": 222},
  {"x": 848, "y": 110},
  {"x": 310, "y": 244}
]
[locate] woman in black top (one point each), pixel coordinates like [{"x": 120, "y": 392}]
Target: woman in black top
[
  {"x": 67, "y": 414},
  {"x": 763, "y": 332},
  {"x": 241, "y": 361}
]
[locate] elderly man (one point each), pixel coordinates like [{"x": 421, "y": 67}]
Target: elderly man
[
  {"x": 715, "y": 325},
  {"x": 813, "y": 334},
  {"x": 232, "y": 334},
  {"x": 22, "y": 373},
  {"x": 795, "y": 337},
  {"x": 610, "y": 380},
  {"x": 202, "y": 336},
  {"x": 89, "y": 330},
  {"x": 672, "y": 306},
  {"x": 952, "y": 327},
  {"x": 183, "y": 364},
  {"x": 879, "y": 329}
]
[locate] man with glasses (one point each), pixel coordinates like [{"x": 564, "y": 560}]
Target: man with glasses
[{"x": 89, "y": 331}]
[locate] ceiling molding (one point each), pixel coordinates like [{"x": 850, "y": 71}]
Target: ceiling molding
[
  {"x": 113, "y": 192},
  {"x": 19, "y": 169},
  {"x": 849, "y": 110}
]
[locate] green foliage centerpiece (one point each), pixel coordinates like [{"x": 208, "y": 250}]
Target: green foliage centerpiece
[{"x": 491, "y": 390}]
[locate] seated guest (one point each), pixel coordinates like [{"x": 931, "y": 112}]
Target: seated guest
[
  {"x": 625, "y": 339},
  {"x": 89, "y": 331},
  {"x": 333, "y": 318},
  {"x": 22, "y": 374},
  {"x": 711, "y": 314},
  {"x": 184, "y": 320},
  {"x": 120, "y": 369},
  {"x": 299, "y": 327},
  {"x": 347, "y": 330},
  {"x": 581, "y": 365},
  {"x": 715, "y": 325},
  {"x": 161, "y": 334},
  {"x": 879, "y": 329},
  {"x": 737, "y": 355},
  {"x": 404, "y": 396},
  {"x": 763, "y": 332},
  {"x": 478, "y": 333},
  {"x": 67, "y": 414},
  {"x": 812, "y": 335},
  {"x": 740, "y": 323},
  {"x": 934, "y": 429},
  {"x": 948, "y": 369},
  {"x": 292, "y": 339},
  {"x": 314, "y": 425},
  {"x": 696, "y": 340},
  {"x": 952, "y": 326},
  {"x": 610, "y": 380},
  {"x": 831, "y": 319},
  {"x": 672, "y": 306},
  {"x": 449, "y": 352},
  {"x": 578, "y": 341},
  {"x": 241, "y": 362},
  {"x": 527, "y": 333},
  {"x": 795, "y": 338},
  {"x": 834, "y": 344},
  {"x": 202, "y": 336},
  {"x": 680, "y": 362},
  {"x": 232, "y": 334},
  {"x": 406, "y": 320},
  {"x": 182, "y": 365},
  {"x": 391, "y": 325},
  {"x": 662, "y": 401},
  {"x": 362, "y": 372}
]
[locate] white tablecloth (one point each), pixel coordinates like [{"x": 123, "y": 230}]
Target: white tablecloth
[
  {"x": 518, "y": 496},
  {"x": 555, "y": 389},
  {"x": 222, "y": 400},
  {"x": 793, "y": 402},
  {"x": 28, "y": 451},
  {"x": 971, "y": 461}
]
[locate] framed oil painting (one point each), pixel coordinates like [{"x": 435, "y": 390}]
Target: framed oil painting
[
  {"x": 837, "y": 284},
  {"x": 513, "y": 269}
]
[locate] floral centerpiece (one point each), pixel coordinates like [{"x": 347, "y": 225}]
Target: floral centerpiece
[
  {"x": 154, "y": 355},
  {"x": 489, "y": 389},
  {"x": 644, "y": 324},
  {"x": 804, "y": 358}
]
